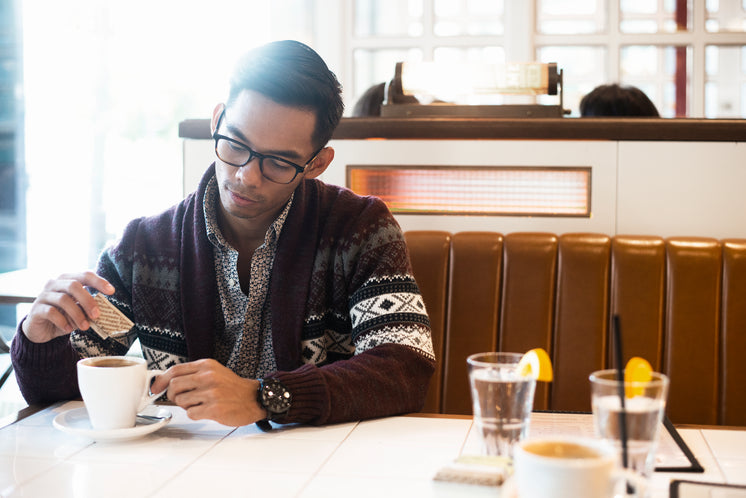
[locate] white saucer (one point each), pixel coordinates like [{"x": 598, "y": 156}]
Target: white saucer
[{"x": 76, "y": 422}]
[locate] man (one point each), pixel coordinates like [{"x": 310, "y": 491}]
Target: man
[{"x": 265, "y": 294}]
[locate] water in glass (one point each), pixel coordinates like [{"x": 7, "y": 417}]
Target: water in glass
[{"x": 502, "y": 402}]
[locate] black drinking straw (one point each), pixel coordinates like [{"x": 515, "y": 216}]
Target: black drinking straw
[{"x": 620, "y": 377}]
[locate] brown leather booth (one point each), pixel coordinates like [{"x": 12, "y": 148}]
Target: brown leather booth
[{"x": 681, "y": 303}]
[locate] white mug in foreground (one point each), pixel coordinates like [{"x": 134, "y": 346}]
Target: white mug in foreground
[
  {"x": 115, "y": 389},
  {"x": 569, "y": 468}
]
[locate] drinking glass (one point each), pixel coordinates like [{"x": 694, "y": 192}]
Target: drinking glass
[
  {"x": 644, "y": 405},
  {"x": 502, "y": 400}
]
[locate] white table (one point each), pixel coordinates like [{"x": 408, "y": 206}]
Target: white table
[{"x": 389, "y": 457}]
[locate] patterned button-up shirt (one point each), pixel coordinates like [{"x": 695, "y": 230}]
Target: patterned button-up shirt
[{"x": 244, "y": 344}]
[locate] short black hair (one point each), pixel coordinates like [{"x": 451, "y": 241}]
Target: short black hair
[
  {"x": 369, "y": 103},
  {"x": 616, "y": 100},
  {"x": 292, "y": 74}
]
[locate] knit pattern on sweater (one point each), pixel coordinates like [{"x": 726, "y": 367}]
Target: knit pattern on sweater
[
  {"x": 341, "y": 284},
  {"x": 385, "y": 306}
]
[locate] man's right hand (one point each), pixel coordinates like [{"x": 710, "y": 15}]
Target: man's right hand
[{"x": 64, "y": 305}]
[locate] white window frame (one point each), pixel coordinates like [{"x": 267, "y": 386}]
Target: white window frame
[{"x": 520, "y": 41}]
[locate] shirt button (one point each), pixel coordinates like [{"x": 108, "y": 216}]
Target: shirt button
[{"x": 232, "y": 282}]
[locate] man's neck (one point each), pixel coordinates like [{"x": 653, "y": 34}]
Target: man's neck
[{"x": 244, "y": 235}]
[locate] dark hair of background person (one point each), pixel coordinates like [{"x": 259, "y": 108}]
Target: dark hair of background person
[
  {"x": 292, "y": 74},
  {"x": 616, "y": 100},
  {"x": 369, "y": 103}
]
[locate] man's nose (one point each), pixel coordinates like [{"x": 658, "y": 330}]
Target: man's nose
[{"x": 251, "y": 172}]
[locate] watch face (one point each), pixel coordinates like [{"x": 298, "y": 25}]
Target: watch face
[{"x": 274, "y": 397}]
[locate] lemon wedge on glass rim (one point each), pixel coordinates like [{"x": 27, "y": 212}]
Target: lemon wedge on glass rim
[
  {"x": 536, "y": 363},
  {"x": 637, "y": 370}
]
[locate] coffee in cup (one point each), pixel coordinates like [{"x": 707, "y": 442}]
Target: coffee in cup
[
  {"x": 115, "y": 389},
  {"x": 562, "y": 449},
  {"x": 568, "y": 468},
  {"x": 111, "y": 362}
]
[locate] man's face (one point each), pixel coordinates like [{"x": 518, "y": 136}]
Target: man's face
[{"x": 268, "y": 128}]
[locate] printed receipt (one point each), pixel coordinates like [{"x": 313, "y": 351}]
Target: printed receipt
[{"x": 111, "y": 321}]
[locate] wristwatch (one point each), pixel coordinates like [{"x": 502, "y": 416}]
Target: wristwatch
[{"x": 273, "y": 397}]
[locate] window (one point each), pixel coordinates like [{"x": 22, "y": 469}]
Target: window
[
  {"x": 12, "y": 198},
  {"x": 645, "y": 16},
  {"x": 558, "y": 17},
  {"x": 661, "y": 46},
  {"x": 470, "y": 18},
  {"x": 725, "y": 16},
  {"x": 106, "y": 84},
  {"x": 103, "y": 101},
  {"x": 725, "y": 81},
  {"x": 375, "y": 64}
]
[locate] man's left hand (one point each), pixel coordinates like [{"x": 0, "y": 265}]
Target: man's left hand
[{"x": 208, "y": 390}]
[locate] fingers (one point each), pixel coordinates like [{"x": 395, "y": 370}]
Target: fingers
[
  {"x": 208, "y": 390},
  {"x": 63, "y": 305},
  {"x": 182, "y": 369},
  {"x": 193, "y": 402},
  {"x": 89, "y": 279},
  {"x": 59, "y": 319},
  {"x": 74, "y": 285},
  {"x": 200, "y": 412},
  {"x": 163, "y": 382},
  {"x": 69, "y": 297},
  {"x": 69, "y": 307},
  {"x": 181, "y": 379}
]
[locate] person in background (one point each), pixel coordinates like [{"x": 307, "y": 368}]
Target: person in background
[
  {"x": 266, "y": 294},
  {"x": 370, "y": 103},
  {"x": 616, "y": 100}
]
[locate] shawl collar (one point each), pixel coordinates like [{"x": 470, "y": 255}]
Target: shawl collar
[
  {"x": 291, "y": 274},
  {"x": 290, "y": 282},
  {"x": 197, "y": 275}
]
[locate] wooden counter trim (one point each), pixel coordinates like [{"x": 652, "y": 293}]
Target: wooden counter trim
[{"x": 653, "y": 129}]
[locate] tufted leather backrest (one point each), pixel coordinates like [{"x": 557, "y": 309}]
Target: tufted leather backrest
[
  {"x": 733, "y": 334},
  {"x": 429, "y": 253},
  {"x": 681, "y": 302}
]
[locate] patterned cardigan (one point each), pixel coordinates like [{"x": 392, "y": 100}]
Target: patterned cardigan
[{"x": 350, "y": 332}]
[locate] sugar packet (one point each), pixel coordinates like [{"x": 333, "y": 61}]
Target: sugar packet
[
  {"x": 476, "y": 469},
  {"x": 111, "y": 321}
]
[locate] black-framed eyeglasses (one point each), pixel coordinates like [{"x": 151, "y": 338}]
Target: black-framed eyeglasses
[{"x": 238, "y": 154}]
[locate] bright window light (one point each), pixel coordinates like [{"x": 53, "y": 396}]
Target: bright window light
[{"x": 105, "y": 85}]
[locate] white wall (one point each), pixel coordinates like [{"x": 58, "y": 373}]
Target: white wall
[
  {"x": 638, "y": 187},
  {"x": 682, "y": 188}
]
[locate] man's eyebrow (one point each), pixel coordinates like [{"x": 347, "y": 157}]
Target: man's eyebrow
[{"x": 291, "y": 154}]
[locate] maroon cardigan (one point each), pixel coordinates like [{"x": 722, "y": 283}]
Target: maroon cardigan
[{"x": 335, "y": 249}]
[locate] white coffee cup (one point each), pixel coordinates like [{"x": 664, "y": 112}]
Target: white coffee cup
[
  {"x": 569, "y": 468},
  {"x": 115, "y": 389}
]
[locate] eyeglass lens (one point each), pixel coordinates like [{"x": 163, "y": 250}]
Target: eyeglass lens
[{"x": 272, "y": 169}]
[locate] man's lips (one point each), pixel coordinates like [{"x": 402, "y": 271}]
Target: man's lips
[{"x": 241, "y": 200}]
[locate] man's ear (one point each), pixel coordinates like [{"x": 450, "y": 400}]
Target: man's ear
[
  {"x": 319, "y": 165},
  {"x": 215, "y": 116}
]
